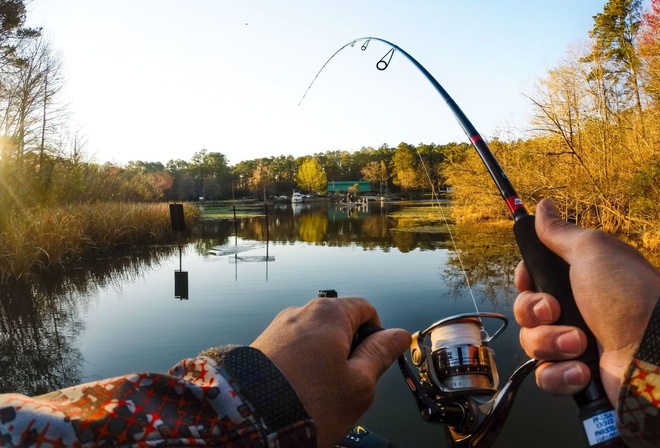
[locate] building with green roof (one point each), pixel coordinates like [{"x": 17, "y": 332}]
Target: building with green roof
[{"x": 342, "y": 186}]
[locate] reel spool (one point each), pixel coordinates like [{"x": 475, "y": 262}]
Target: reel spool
[{"x": 459, "y": 361}]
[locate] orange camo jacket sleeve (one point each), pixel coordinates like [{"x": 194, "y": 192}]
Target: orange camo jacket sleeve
[{"x": 228, "y": 397}]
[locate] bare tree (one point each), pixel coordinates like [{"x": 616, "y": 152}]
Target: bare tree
[{"x": 31, "y": 117}]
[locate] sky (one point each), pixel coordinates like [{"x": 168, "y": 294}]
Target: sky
[{"x": 159, "y": 80}]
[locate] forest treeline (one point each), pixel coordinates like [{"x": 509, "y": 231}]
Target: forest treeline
[{"x": 593, "y": 143}]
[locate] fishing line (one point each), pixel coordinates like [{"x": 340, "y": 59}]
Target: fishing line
[
  {"x": 352, "y": 43},
  {"x": 451, "y": 234},
  {"x": 434, "y": 193}
]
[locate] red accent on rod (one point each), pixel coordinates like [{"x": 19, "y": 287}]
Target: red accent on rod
[
  {"x": 475, "y": 137},
  {"x": 514, "y": 203}
]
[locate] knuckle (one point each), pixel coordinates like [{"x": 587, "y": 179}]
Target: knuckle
[
  {"x": 537, "y": 343},
  {"x": 289, "y": 314},
  {"x": 590, "y": 238},
  {"x": 523, "y": 308},
  {"x": 322, "y": 305}
]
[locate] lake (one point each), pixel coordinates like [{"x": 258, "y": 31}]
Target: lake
[{"x": 126, "y": 313}]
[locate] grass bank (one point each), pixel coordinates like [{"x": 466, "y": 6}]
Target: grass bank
[
  {"x": 432, "y": 220},
  {"x": 425, "y": 219},
  {"x": 37, "y": 239}
]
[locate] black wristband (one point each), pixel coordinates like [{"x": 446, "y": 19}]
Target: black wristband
[{"x": 264, "y": 386}]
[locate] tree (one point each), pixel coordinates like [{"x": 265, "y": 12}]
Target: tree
[
  {"x": 74, "y": 183},
  {"x": 283, "y": 171},
  {"x": 212, "y": 173},
  {"x": 649, "y": 49},
  {"x": 311, "y": 176},
  {"x": 376, "y": 172},
  {"x": 30, "y": 117},
  {"x": 12, "y": 32},
  {"x": 242, "y": 172},
  {"x": 615, "y": 31},
  {"x": 431, "y": 169},
  {"x": 645, "y": 187},
  {"x": 261, "y": 178},
  {"x": 404, "y": 169}
]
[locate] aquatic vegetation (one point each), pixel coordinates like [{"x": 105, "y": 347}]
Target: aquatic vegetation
[
  {"x": 36, "y": 239},
  {"x": 227, "y": 210}
]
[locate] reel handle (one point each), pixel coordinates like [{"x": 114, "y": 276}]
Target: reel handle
[
  {"x": 551, "y": 275},
  {"x": 361, "y": 437}
]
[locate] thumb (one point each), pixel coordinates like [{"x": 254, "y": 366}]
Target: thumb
[
  {"x": 377, "y": 353},
  {"x": 558, "y": 235}
]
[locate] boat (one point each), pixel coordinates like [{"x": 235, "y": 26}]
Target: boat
[
  {"x": 297, "y": 197},
  {"x": 353, "y": 203}
]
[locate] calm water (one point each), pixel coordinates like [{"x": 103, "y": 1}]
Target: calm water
[{"x": 121, "y": 315}]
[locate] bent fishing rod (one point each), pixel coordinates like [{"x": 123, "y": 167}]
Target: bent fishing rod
[{"x": 454, "y": 380}]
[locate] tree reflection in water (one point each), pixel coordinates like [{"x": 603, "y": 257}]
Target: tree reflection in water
[
  {"x": 488, "y": 251},
  {"x": 369, "y": 227},
  {"x": 489, "y": 256},
  {"x": 41, "y": 321}
]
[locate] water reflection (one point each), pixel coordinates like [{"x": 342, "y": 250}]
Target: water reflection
[
  {"x": 43, "y": 323},
  {"x": 488, "y": 256},
  {"x": 368, "y": 226},
  {"x": 117, "y": 315}
]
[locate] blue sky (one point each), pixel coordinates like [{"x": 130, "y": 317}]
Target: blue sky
[{"x": 155, "y": 80}]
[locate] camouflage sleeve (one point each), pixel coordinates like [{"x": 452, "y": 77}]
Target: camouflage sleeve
[
  {"x": 231, "y": 397},
  {"x": 639, "y": 399}
]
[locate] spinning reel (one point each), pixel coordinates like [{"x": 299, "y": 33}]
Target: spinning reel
[{"x": 456, "y": 380}]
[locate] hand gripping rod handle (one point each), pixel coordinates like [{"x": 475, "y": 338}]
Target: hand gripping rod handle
[{"x": 551, "y": 275}]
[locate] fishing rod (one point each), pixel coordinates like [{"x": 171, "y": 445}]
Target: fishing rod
[{"x": 454, "y": 380}]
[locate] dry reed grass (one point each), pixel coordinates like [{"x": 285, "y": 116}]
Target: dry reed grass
[
  {"x": 651, "y": 240},
  {"x": 37, "y": 239}
]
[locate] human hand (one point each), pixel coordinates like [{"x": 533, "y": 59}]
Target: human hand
[
  {"x": 311, "y": 344},
  {"x": 615, "y": 289}
]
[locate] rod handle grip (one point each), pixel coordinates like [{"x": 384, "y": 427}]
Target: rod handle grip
[
  {"x": 363, "y": 332},
  {"x": 551, "y": 274}
]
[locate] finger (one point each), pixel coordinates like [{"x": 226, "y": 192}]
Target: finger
[
  {"x": 572, "y": 242},
  {"x": 338, "y": 315},
  {"x": 532, "y": 309},
  {"x": 522, "y": 279},
  {"x": 553, "y": 343},
  {"x": 558, "y": 235},
  {"x": 563, "y": 378},
  {"x": 358, "y": 311},
  {"x": 377, "y": 353}
]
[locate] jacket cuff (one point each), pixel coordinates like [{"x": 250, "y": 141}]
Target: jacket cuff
[{"x": 260, "y": 383}]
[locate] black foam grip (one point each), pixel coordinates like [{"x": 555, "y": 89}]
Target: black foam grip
[
  {"x": 551, "y": 275},
  {"x": 363, "y": 332}
]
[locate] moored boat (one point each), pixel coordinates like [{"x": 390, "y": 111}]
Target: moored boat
[{"x": 297, "y": 197}]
